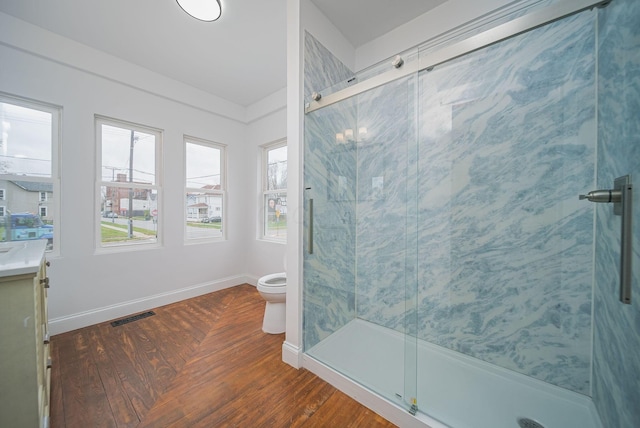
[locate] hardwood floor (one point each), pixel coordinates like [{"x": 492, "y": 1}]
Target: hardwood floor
[{"x": 203, "y": 362}]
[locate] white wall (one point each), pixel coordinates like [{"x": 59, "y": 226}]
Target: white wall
[
  {"x": 449, "y": 16},
  {"x": 87, "y": 287}
]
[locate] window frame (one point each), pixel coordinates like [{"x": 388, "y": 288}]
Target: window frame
[
  {"x": 264, "y": 191},
  {"x": 222, "y": 192},
  {"x": 56, "y": 142},
  {"x": 100, "y": 120}
]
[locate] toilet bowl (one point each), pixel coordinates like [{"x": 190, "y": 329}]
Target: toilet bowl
[{"x": 273, "y": 289}]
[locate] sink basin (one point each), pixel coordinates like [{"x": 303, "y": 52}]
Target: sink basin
[{"x": 9, "y": 247}]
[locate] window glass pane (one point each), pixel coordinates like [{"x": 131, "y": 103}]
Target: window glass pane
[
  {"x": 203, "y": 167},
  {"x": 275, "y": 222},
  {"x": 128, "y": 192},
  {"x": 128, "y": 155},
  {"x": 204, "y": 215},
  {"x": 25, "y": 141},
  {"x": 129, "y": 215},
  {"x": 277, "y": 168}
]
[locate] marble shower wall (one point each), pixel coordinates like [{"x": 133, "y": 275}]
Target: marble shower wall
[
  {"x": 616, "y": 365},
  {"x": 506, "y": 143},
  {"x": 323, "y": 72},
  {"x": 386, "y": 205},
  {"x": 330, "y": 180}
]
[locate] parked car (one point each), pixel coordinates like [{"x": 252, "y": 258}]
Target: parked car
[
  {"x": 26, "y": 226},
  {"x": 215, "y": 219},
  {"x": 110, "y": 214}
]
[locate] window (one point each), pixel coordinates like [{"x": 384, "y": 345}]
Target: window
[
  {"x": 43, "y": 196},
  {"x": 204, "y": 189},
  {"x": 1, "y": 211},
  {"x": 29, "y": 138},
  {"x": 43, "y": 212},
  {"x": 274, "y": 191},
  {"x": 128, "y": 185}
]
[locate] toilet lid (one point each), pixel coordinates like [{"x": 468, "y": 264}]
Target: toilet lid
[{"x": 276, "y": 281}]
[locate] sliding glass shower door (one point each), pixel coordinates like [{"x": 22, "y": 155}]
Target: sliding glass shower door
[
  {"x": 360, "y": 237},
  {"x": 507, "y": 142}
]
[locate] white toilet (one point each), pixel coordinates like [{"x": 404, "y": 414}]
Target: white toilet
[{"x": 273, "y": 289}]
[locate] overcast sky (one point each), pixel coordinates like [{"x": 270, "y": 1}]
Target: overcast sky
[
  {"x": 116, "y": 147},
  {"x": 26, "y": 141},
  {"x": 26, "y": 149}
]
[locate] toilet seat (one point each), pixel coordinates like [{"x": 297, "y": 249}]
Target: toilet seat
[{"x": 274, "y": 283}]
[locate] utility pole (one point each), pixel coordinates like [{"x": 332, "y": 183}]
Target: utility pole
[{"x": 130, "y": 212}]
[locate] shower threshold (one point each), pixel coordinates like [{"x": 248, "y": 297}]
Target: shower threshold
[{"x": 460, "y": 391}]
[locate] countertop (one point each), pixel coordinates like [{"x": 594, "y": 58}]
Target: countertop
[{"x": 21, "y": 257}]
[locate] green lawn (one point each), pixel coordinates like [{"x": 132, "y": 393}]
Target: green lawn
[
  {"x": 110, "y": 235},
  {"x": 277, "y": 225},
  {"x": 205, "y": 225},
  {"x": 114, "y": 232}
]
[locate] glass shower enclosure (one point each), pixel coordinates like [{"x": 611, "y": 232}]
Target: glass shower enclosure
[{"x": 449, "y": 263}]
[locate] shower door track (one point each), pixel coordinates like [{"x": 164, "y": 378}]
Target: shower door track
[{"x": 486, "y": 38}]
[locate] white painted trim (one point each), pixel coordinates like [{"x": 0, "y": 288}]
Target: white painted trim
[
  {"x": 106, "y": 313},
  {"x": 295, "y": 121},
  {"x": 366, "y": 397},
  {"x": 292, "y": 355}
]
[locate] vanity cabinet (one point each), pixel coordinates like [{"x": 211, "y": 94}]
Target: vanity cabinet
[{"x": 25, "y": 363}]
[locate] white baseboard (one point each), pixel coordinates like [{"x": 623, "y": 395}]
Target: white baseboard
[
  {"x": 106, "y": 313},
  {"x": 292, "y": 355},
  {"x": 251, "y": 279}
]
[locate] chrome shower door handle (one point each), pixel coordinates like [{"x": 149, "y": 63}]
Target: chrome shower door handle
[
  {"x": 311, "y": 226},
  {"x": 621, "y": 197},
  {"x": 626, "y": 236}
]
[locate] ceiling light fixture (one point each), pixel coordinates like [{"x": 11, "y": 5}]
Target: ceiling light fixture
[{"x": 204, "y": 10}]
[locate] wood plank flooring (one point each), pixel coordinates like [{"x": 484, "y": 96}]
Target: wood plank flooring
[{"x": 202, "y": 362}]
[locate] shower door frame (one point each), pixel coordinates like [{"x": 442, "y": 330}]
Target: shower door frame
[{"x": 486, "y": 38}]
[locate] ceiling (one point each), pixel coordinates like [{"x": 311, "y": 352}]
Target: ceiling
[{"x": 241, "y": 57}]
